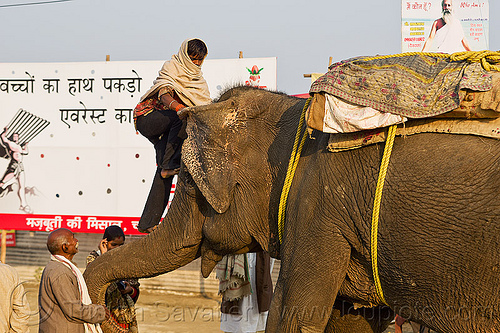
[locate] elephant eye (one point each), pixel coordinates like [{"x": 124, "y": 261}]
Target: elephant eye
[{"x": 187, "y": 179}]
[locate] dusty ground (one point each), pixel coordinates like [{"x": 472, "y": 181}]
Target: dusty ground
[{"x": 162, "y": 312}]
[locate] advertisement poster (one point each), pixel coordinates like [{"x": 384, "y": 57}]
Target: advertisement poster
[
  {"x": 10, "y": 239},
  {"x": 70, "y": 156},
  {"x": 445, "y": 26}
]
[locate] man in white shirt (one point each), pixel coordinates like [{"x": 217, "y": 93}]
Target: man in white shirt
[{"x": 446, "y": 33}]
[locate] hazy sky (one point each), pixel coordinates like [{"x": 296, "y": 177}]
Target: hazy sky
[{"x": 301, "y": 34}]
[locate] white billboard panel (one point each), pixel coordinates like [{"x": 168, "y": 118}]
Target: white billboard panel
[
  {"x": 88, "y": 160},
  {"x": 424, "y": 24}
]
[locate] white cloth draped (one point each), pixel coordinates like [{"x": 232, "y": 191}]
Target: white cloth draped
[
  {"x": 343, "y": 117},
  {"x": 448, "y": 39},
  {"x": 250, "y": 319}
]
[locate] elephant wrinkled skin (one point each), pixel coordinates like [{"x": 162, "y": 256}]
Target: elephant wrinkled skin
[{"x": 438, "y": 237}]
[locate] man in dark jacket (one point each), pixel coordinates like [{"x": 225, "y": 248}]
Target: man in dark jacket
[{"x": 63, "y": 299}]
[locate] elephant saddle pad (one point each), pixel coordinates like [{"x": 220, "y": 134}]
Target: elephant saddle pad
[
  {"x": 409, "y": 85},
  {"x": 482, "y": 127}
]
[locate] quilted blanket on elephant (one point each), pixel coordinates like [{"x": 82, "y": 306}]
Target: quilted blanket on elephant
[{"x": 413, "y": 86}]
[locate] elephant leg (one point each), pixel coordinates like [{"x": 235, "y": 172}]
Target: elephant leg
[{"x": 312, "y": 271}]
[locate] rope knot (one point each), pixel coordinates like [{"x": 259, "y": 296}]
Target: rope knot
[{"x": 488, "y": 59}]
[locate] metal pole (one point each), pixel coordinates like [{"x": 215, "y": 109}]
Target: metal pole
[
  {"x": 3, "y": 250},
  {"x": 18, "y": 124},
  {"x": 33, "y": 126},
  {"x": 26, "y": 124},
  {"x": 28, "y": 128},
  {"x": 15, "y": 117},
  {"x": 34, "y": 134}
]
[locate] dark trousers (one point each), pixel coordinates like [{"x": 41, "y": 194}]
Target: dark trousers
[
  {"x": 166, "y": 132},
  {"x": 156, "y": 203}
]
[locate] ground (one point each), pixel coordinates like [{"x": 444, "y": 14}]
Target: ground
[{"x": 165, "y": 312}]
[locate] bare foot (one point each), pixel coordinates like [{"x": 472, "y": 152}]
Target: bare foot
[
  {"x": 150, "y": 229},
  {"x": 165, "y": 173}
]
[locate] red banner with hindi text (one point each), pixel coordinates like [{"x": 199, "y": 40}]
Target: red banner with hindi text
[{"x": 76, "y": 223}]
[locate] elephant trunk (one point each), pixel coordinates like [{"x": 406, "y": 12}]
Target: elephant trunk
[{"x": 174, "y": 243}]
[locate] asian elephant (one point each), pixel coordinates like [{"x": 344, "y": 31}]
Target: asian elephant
[{"x": 439, "y": 226}]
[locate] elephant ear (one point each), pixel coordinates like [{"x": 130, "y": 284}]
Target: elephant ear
[{"x": 205, "y": 154}]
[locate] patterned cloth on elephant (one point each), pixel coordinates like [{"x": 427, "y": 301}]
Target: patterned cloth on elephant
[
  {"x": 122, "y": 307},
  {"x": 414, "y": 86},
  {"x": 366, "y": 93}
]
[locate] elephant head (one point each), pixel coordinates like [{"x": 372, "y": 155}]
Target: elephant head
[{"x": 231, "y": 161}]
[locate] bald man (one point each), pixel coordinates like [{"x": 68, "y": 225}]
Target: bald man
[{"x": 63, "y": 299}]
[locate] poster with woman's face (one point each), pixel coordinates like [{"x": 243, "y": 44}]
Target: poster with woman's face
[{"x": 445, "y": 26}]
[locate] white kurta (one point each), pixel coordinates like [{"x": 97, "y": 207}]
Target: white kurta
[
  {"x": 448, "y": 39},
  {"x": 250, "y": 319}
]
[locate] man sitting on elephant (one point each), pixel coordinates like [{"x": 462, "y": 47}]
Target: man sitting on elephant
[{"x": 180, "y": 83}]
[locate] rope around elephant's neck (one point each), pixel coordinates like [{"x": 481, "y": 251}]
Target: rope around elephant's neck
[
  {"x": 376, "y": 210},
  {"x": 292, "y": 165},
  {"x": 490, "y": 60}
]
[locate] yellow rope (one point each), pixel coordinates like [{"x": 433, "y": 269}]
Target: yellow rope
[
  {"x": 490, "y": 60},
  {"x": 292, "y": 165},
  {"x": 376, "y": 208}
]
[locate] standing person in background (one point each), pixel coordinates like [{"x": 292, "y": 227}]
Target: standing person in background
[
  {"x": 63, "y": 299},
  {"x": 14, "y": 307},
  {"x": 122, "y": 295},
  {"x": 446, "y": 33},
  {"x": 179, "y": 84},
  {"x": 246, "y": 287}
]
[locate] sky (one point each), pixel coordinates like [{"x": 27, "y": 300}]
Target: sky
[{"x": 301, "y": 34}]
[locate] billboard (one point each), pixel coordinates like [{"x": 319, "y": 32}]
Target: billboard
[
  {"x": 10, "y": 239},
  {"x": 70, "y": 156},
  {"x": 445, "y": 26}
]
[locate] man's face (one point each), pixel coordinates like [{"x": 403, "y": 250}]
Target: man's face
[
  {"x": 115, "y": 243},
  {"x": 197, "y": 60},
  {"x": 447, "y": 6},
  {"x": 72, "y": 244},
  {"x": 15, "y": 137}
]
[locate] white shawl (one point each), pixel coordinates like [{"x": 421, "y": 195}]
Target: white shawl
[
  {"x": 233, "y": 275},
  {"x": 182, "y": 75}
]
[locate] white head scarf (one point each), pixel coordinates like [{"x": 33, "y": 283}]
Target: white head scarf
[{"x": 186, "y": 78}]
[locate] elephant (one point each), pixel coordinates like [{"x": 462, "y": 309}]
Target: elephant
[{"x": 438, "y": 233}]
